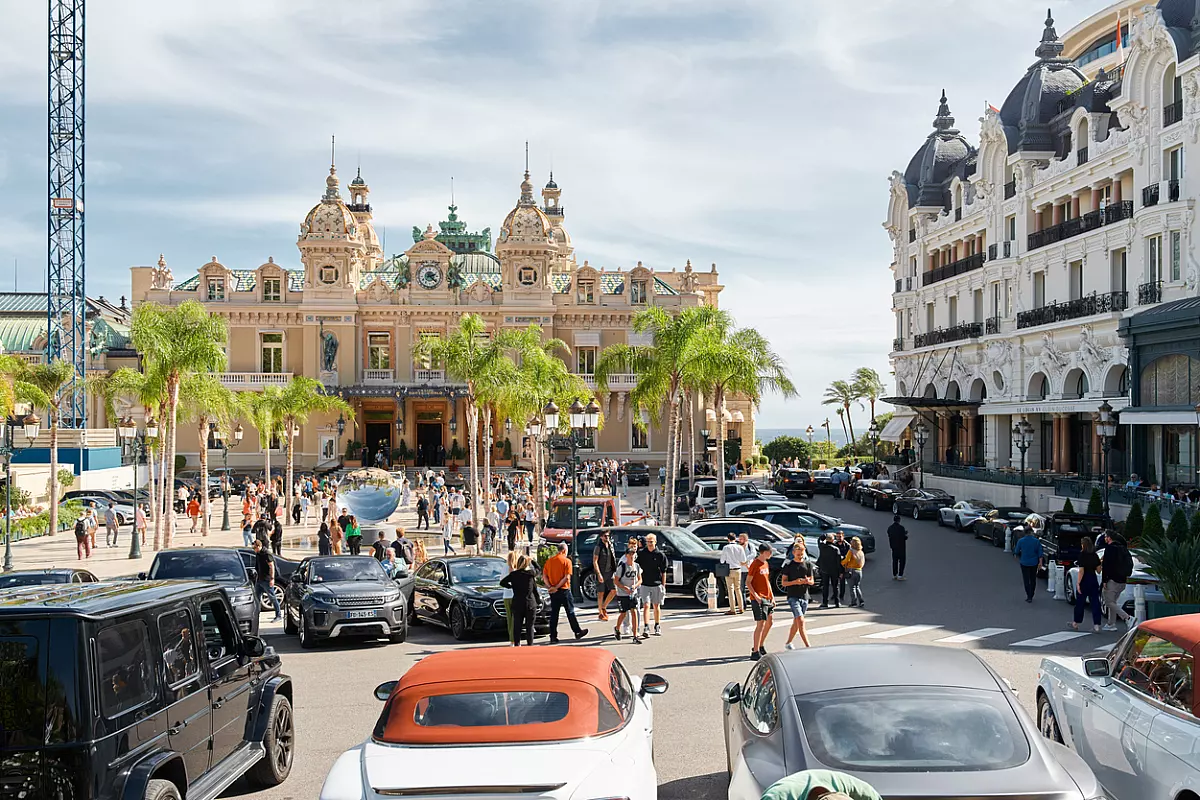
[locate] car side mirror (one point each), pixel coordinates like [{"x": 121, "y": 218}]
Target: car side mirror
[
  {"x": 141, "y": 576},
  {"x": 253, "y": 646},
  {"x": 252, "y": 574},
  {"x": 1095, "y": 667},
  {"x": 653, "y": 684},
  {"x": 400, "y": 574},
  {"x": 384, "y": 690},
  {"x": 732, "y": 693}
]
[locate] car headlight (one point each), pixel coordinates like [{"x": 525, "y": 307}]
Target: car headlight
[
  {"x": 324, "y": 598},
  {"x": 391, "y": 597},
  {"x": 241, "y": 598},
  {"x": 473, "y": 603}
]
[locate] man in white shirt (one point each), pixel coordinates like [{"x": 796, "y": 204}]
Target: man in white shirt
[{"x": 734, "y": 555}]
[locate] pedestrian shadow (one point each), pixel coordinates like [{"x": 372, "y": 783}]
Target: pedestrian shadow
[{"x": 698, "y": 787}]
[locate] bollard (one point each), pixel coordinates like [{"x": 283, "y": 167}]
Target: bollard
[
  {"x": 1139, "y": 603},
  {"x": 711, "y": 585},
  {"x": 1008, "y": 543},
  {"x": 1060, "y": 582},
  {"x": 1050, "y": 579}
]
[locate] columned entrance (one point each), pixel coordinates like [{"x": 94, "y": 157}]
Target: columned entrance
[{"x": 430, "y": 441}]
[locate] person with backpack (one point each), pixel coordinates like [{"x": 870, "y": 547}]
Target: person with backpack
[
  {"x": 83, "y": 546},
  {"x": 1115, "y": 568}
]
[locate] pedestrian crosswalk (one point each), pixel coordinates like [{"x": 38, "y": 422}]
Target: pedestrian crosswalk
[
  {"x": 974, "y": 636},
  {"x": 1049, "y": 639}
]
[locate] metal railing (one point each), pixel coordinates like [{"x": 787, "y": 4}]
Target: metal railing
[
  {"x": 1150, "y": 195},
  {"x": 1172, "y": 113},
  {"x": 1007, "y": 248},
  {"x": 379, "y": 376},
  {"x": 954, "y": 268},
  {"x": 1114, "y": 212},
  {"x": 991, "y": 325},
  {"x": 1150, "y": 293},
  {"x": 899, "y": 283},
  {"x": 1010, "y": 189},
  {"x": 255, "y": 380},
  {"x": 964, "y": 330},
  {"x": 1081, "y": 156},
  {"x": 983, "y": 474},
  {"x": 1081, "y": 489},
  {"x": 993, "y": 251},
  {"x": 1173, "y": 191},
  {"x": 897, "y": 345},
  {"x": 1093, "y": 303}
]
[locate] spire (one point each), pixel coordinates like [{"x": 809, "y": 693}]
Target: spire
[
  {"x": 526, "y": 186},
  {"x": 1051, "y": 47},
  {"x": 944, "y": 121},
  {"x": 331, "y": 183}
]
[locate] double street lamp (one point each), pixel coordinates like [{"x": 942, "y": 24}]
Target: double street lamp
[
  {"x": 922, "y": 432},
  {"x": 874, "y": 432},
  {"x": 24, "y": 418},
  {"x": 139, "y": 444},
  {"x": 583, "y": 422},
  {"x": 223, "y": 443},
  {"x": 1022, "y": 433},
  {"x": 1106, "y": 427}
]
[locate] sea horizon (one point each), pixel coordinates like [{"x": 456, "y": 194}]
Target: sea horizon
[{"x": 767, "y": 435}]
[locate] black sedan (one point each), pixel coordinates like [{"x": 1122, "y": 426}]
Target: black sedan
[
  {"x": 344, "y": 596},
  {"x": 792, "y": 481},
  {"x": 910, "y": 720},
  {"x": 463, "y": 594},
  {"x": 993, "y": 526},
  {"x": 691, "y": 560},
  {"x": 44, "y": 577},
  {"x": 879, "y": 494},
  {"x": 814, "y": 525},
  {"x": 919, "y": 503}
]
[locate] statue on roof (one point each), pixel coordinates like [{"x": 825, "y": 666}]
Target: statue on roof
[
  {"x": 688, "y": 281},
  {"x": 455, "y": 278}
]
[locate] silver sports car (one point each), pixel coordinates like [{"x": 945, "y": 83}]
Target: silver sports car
[{"x": 914, "y": 721}]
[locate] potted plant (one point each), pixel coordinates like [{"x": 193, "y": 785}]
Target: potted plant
[
  {"x": 1173, "y": 558},
  {"x": 403, "y": 454},
  {"x": 508, "y": 453},
  {"x": 455, "y": 455}
]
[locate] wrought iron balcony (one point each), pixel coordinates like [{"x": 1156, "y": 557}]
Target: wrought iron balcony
[
  {"x": 965, "y": 330},
  {"x": 1172, "y": 113},
  {"x": 897, "y": 345},
  {"x": 1007, "y": 248},
  {"x": 1081, "y": 156},
  {"x": 953, "y": 268},
  {"x": 1010, "y": 189},
  {"x": 1150, "y": 293},
  {"x": 1115, "y": 212},
  {"x": 991, "y": 325},
  {"x": 1090, "y": 221},
  {"x": 553, "y": 211},
  {"x": 1150, "y": 195},
  {"x": 1172, "y": 191},
  {"x": 360, "y": 208},
  {"x": 1090, "y": 305}
]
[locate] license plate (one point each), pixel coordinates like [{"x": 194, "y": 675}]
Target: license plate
[{"x": 360, "y": 614}]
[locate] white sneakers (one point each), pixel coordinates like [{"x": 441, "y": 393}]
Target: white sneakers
[{"x": 789, "y": 646}]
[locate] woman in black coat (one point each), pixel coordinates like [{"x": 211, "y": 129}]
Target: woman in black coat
[
  {"x": 324, "y": 542},
  {"x": 523, "y": 583}
]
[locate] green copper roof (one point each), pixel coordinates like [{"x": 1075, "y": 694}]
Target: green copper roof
[
  {"x": 454, "y": 234},
  {"x": 244, "y": 280},
  {"x": 17, "y": 334},
  {"x": 610, "y": 283}
]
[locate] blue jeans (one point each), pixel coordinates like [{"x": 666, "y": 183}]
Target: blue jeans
[
  {"x": 247, "y": 537},
  {"x": 264, "y": 587}
]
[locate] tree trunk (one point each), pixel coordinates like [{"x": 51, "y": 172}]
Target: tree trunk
[
  {"x": 203, "y": 435},
  {"x": 850, "y": 423},
  {"x": 289, "y": 474},
  {"x": 473, "y": 456},
  {"x": 152, "y": 487},
  {"x": 53, "y": 510},
  {"x": 669, "y": 489},
  {"x": 692, "y": 440},
  {"x": 487, "y": 464},
  {"x": 169, "y": 480},
  {"x": 165, "y": 496},
  {"x": 719, "y": 403}
]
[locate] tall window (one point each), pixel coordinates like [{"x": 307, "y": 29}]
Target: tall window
[
  {"x": 1075, "y": 275},
  {"x": 639, "y": 438},
  {"x": 272, "y": 290},
  {"x": 424, "y": 363},
  {"x": 272, "y": 352},
  {"x": 1039, "y": 289},
  {"x": 1173, "y": 164},
  {"x": 899, "y": 324},
  {"x": 379, "y": 351},
  {"x": 637, "y": 292},
  {"x": 587, "y": 291},
  {"x": 996, "y": 299},
  {"x": 586, "y": 357},
  {"x": 1119, "y": 277},
  {"x": 1154, "y": 259},
  {"x": 216, "y": 289},
  {"x": 1174, "y": 254},
  {"x": 953, "y": 311},
  {"x": 929, "y": 317},
  {"x": 1010, "y": 225},
  {"x": 978, "y": 298}
]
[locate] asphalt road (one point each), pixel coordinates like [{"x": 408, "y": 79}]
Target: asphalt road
[{"x": 958, "y": 588}]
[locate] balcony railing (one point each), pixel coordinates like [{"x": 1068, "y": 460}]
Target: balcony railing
[
  {"x": 360, "y": 208},
  {"x": 1010, "y": 189},
  {"x": 965, "y": 330},
  {"x": 379, "y": 376},
  {"x": 958, "y": 215},
  {"x": 621, "y": 381},
  {"x": 897, "y": 345},
  {"x": 1172, "y": 113},
  {"x": 954, "y": 268},
  {"x": 1093, "y": 303},
  {"x": 431, "y": 377},
  {"x": 1081, "y": 156},
  {"x": 1150, "y": 195},
  {"x": 991, "y": 325},
  {"x": 1172, "y": 191},
  {"x": 1150, "y": 293},
  {"x": 1007, "y": 248},
  {"x": 554, "y": 211},
  {"x": 1090, "y": 221},
  {"x": 255, "y": 380}
]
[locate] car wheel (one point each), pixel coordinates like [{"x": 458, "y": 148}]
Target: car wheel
[
  {"x": 588, "y": 587},
  {"x": 158, "y": 789},
  {"x": 120, "y": 519},
  {"x": 413, "y": 620},
  {"x": 1070, "y": 590},
  {"x": 917, "y": 513},
  {"x": 941, "y": 521},
  {"x": 399, "y": 636},
  {"x": 1047, "y": 724},
  {"x": 958, "y": 526},
  {"x": 289, "y": 626},
  {"x": 264, "y": 601},
  {"x": 306, "y": 638},
  {"x": 895, "y": 508},
  {"x": 279, "y": 741},
  {"x": 699, "y": 589},
  {"x": 777, "y": 583},
  {"x": 458, "y": 623}
]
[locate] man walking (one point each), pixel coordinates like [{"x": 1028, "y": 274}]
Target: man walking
[
  {"x": 422, "y": 511},
  {"x": 733, "y": 555},
  {"x": 1029, "y": 552},
  {"x": 404, "y": 548},
  {"x": 652, "y": 594},
  {"x": 829, "y": 562},
  {"x": 898, "y": 541},
  {"x": 797, "y": 577},
  {"x": 1115, "y": 569},
  {"x": 264, "y": 582},
  {"x": 762, "y": 601},
  {"x": 839, "y": 541},
  {"x": 556, "y": 574},
  {"x": 110, "y": 527},
  {"x": 604, "y": 565}
]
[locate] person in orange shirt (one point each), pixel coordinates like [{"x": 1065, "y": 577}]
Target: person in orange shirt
[
  {"x": 193, "y": 510},
  {"x": 762, "y": 600},
  {"x": 556, "y": 574}
]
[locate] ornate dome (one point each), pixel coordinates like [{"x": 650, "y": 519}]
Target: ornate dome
[
  {"x": 1182, "y": 19},
  {"x": 526, "y": 222},
  {"x": 330, "y": 216},
  {"x": 935, "y": 163},
  {"x": 1033, "y": 102}
]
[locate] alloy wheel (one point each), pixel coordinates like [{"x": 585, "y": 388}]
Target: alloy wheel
[
  {"x": 1047, "y": 724},
  {"x": 283, "y": 738}
]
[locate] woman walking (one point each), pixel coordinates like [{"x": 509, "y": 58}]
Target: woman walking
[
  {"x": 324, "y": 540},
  {"x": 512, "y": 523},
  {"x": 336, "y": 536},
  {"x": 524, "y": 603},
  {"x": 507, "y": 595},
  {"x": 354, "y": 536},
  {"x": 1087, "y": 584},
  {"x": 447, "y": 535},
  {"x": 853, "y": 564}
]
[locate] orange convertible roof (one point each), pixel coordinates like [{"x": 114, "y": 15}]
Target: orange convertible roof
[
  {"x": 1182, "y": 630},
  {"x": 484, "y": 664}
]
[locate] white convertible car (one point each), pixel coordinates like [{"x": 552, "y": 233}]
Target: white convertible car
[
  {"x": 1133, "y": 714},
  {"x": 552, "y": 722}
]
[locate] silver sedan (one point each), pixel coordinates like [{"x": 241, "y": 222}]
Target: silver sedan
[{"x": 962, "y": 515}]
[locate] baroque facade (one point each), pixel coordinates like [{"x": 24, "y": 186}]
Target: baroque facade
[
  {"x": 350, "y": 316},
  {"x": 1016, "y": 261}
]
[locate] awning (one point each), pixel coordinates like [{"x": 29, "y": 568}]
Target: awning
[
  {"x": 896, "y": 427},
  {"x": 1136, "y": 416},
  {"x": 587, "y": 338},
  {"x": 738, "y": 416}
]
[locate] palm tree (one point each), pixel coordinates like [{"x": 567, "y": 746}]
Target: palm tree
[
  {"x": 660, "y": 370},
  {"x": 209, "y": 404},
  {"x": 177, "y": 342},
  {"x": 734, "y": 362},
  {"x": 50, "y": 386},
  {"x": 868, "y": 386},
  {"x": 843, "y": 393},
  {"x": 265, "y": 411},
  {"x": 842, "y": 419},
  {"x": 301, "y": 398}
]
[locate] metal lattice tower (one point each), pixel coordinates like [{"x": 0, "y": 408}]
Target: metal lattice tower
[{"x": 67, "y": 299}]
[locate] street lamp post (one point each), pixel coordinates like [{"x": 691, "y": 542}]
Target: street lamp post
[
  {"x": 30, "y": 423},
  {"x": 223, "y": 443},
  {"x": 922, "y": 437},
  {"x": 809, "y": 431},
  {"x": 1108, "y": 431},
  {"x": 874, "y": 431},
  {"x": 583, "y": 420},
  {"x": 138, "y": 444},
  {"x": 341, "y": 428},
  {"x": 1023, "y": 439}
]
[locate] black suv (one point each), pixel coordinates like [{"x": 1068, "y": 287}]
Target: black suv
[
  {"x": 691, "y": 560},
  {"x": 136, "y": 690},
  {"x": 219, "y": 565},
  {"x": 791, "y": 480},
  {"x": 637, "y": 473}
]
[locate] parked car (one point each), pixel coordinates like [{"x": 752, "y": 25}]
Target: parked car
[
  {"x": 912, "y": 720},
  {"x": 737, "y": 508},
  {"x": 44, "y": 577},
  {"x": 691, "y": 560},
  {"x": 1062, "y": 533},
  {"x": 111, "y": 495},
  {"x": 715, "y": 534},
  {"x": 814, "y": 524},
  {"x": 637, "y": 473},
  {"x": 920, "y": 503},
  {"x": 822, "y": 481},
  {"x": 879, "y": 494},
  {"x": 962, "y": 515},
  {"x": 343, "y": 596},
  {"x": 550, "y": 721},
  {"x": 463, "y": 594},
  {"x": 994, "y": 525},
  {"x": 792, "y": 480},
  {"x": 100, "y": 503},
  {"x": 704, "y": 493},
  {"x": 284, "y": 568},
  {"x": 138, "y": 690},
  {"x": 1133, "y": 715},
  {"x": 220, "y": 565}
]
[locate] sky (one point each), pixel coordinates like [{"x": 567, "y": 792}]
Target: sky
[{"x": 755, "y": 134}]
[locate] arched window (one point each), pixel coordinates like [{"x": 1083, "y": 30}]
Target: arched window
[
  {"x": 1171, "y": 381},
  {"x": 1081, "y": 386}
]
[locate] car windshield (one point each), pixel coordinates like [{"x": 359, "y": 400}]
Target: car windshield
[
  {"x": 913, "y": 729},
  {"x": 980, "y": 504},
  {"x": 1015, "y": 514},
  {"x": 199, "y": 564},
  {"x": 684, "y": 541},
  {"x": 478, "y": 570},
  {"x": 934, "y": 493},
  {"x": 347, "y": 569},
  {"x": 32, "y": 579},
  {"x": 591, "y": 515}
]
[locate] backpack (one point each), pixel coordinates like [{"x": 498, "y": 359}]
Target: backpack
[{"x": 80, "y": 530}]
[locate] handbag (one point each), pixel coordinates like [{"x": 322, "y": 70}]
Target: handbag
[{"x": 722, "y": 570}]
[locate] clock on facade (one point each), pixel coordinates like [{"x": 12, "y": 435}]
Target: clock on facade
[{"x": 429, "y": 275}]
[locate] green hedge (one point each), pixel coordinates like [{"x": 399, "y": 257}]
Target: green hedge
[{"x": 32, "y": 527}]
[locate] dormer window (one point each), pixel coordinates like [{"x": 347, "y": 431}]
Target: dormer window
[
  {"x": 587, "y": 291},
  {"x": 216, "y": 290},
  {"x": 638, "y": 292},
  {"x": 272, "y": 290}
]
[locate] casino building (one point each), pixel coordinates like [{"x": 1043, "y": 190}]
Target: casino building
[{"x": 349, "y": 316}]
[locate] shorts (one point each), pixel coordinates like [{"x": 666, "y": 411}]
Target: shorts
[
  {"x": 652, "y": 595},
  {"x": 762, "y": 611},
  {"x": 798, "y": 605},
  {"x": 454, "y": 512},
  {"x": 607, "y": 584},
  {"x": 627, "y": 602}
]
